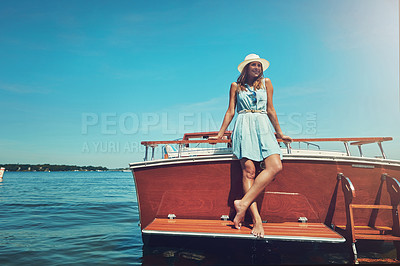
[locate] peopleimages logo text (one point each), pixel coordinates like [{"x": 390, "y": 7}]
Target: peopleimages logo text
[{"x": 168, "y": 124}]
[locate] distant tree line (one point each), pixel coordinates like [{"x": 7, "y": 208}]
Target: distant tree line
[{"x": 50, "y": 167}]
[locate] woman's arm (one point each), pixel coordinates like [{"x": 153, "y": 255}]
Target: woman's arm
[
  {"x": 230, "y": 113},
  {"x": 272, "y": 113}
]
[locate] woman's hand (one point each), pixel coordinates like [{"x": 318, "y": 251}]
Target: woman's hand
[
  {"x": 216, "y": 138},
  {"x": 284, "y": 137}
]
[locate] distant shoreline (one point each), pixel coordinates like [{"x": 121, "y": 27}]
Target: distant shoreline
[{"x": 52, "y": 167}]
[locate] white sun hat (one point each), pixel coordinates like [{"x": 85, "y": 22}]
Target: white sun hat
[{"x": 251, "y": 58}]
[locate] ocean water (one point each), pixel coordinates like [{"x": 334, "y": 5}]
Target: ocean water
[
  {"x": 64, "y": 218},
  {"x": 91, "y": 218}
]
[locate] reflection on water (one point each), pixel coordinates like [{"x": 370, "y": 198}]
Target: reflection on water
[{"x": 215, "y": 251}]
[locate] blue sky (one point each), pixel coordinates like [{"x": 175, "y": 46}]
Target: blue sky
[{"x": 83, "y": 82}]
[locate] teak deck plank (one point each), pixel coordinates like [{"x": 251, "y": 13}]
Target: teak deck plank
[{"x": 287, "y": 231}]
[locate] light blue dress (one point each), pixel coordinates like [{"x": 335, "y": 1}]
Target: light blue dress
[{"x": 253, "y": 136}]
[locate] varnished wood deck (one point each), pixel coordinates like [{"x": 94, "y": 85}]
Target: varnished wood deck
[{"x": 287, "y": 231}]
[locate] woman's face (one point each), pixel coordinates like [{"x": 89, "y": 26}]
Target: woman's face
[{"x": 254, "y": 70}]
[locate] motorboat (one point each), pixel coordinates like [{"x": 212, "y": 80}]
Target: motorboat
[{"x": 190, "y": 189}]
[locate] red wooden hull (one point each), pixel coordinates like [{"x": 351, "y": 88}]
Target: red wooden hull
[{"x": 206, "y": 188}]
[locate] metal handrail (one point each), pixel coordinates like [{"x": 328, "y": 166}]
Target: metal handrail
[
  {"x": 353, "y": 141},
  {"x": 309, "y": 143},
  {"x": 214, "y": 141}
]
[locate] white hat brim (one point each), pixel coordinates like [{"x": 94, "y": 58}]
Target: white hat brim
[{"x": 264, "y": 63}]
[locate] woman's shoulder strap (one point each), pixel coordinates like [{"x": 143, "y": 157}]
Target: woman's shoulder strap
[{"x": 265, "y": 81}]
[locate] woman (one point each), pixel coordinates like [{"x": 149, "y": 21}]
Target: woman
[{"x": 253, "y": 138}]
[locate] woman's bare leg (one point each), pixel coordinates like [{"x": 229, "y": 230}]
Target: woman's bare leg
[
  {"x": 249, "y": 173},
  {"x": 273, "y": 165}
]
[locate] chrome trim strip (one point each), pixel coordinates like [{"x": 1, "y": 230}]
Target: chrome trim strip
[
  {"x": 363, "y": 166},
  {"x": 170, "y": 161},
  {"x": 286, "y": 157}
]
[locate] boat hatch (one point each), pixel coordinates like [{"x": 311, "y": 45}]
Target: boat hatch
[{"x": 286, "y": 231}]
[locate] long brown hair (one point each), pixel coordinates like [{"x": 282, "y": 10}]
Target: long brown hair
[{"x": 243, "y": 77}]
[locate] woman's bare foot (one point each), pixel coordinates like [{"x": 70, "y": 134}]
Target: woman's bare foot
[
  {"x": 240, "y": 213},
  {"x": 258, "y": 229}
]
